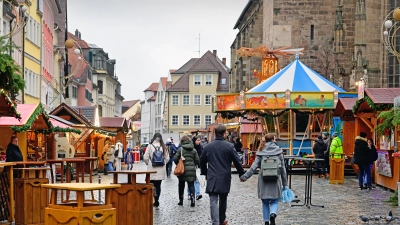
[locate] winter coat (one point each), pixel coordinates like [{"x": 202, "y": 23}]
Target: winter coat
[
  {"x": 238, "y": 146},
  {"x": 148, "y": 156},
  {"x": 13, "y": 153},
  {"x": 362, "y": 154},
  {"x": 271, "y": 189},
  {"x": 374, "y": 153},
  {"x": 328, "y": 146},
  {"x": 119, "y": 147},
  {"x": 172, "y": 149},
  {"x": 336, "y": 147},
  {"x": 215, "y": 163},
  {"x": 129, "y": 157},
  {"x": 110, "y": 154},
  {"x": 319, "y": 148},
  {"x": 190, "y": 162}
]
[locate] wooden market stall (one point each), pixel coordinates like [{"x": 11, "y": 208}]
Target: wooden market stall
[{"x": 366, "y": 111}]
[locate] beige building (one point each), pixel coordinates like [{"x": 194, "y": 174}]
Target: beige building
[
  {"x": 190, "y": 96},
  {"x": 130, "y": 108}
]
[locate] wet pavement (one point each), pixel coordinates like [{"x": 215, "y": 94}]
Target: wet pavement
[{"x": 343, "y": 204}]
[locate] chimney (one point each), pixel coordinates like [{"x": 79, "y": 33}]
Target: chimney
[
  {"x": 77, "y": 33},
  {"x": 215, "y": 53},
  {"x": 224, "y": 61}
]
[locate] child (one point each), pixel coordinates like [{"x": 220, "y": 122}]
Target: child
[{"x": 129, "y": 159}]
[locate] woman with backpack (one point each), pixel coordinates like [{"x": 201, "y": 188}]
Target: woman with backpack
[
  {"x": 190, "y": 161},
  {"x": 271, "y": 182},
  {"x": 156, "y": 157}
]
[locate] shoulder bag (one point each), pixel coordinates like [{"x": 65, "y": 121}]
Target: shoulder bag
[{"x": 180, "y": 168}]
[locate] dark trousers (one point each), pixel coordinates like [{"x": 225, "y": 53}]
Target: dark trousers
[
  {"x": 218, "y": 204},
  {"x": 169, "y": 169},
  {"x": 181, "y": 186},
  {"x": 327, "y": 161},
  {"x": 157, "y": 189},
  {"x": 320, "y": 165},
  {"x": 364, "y": 169}
]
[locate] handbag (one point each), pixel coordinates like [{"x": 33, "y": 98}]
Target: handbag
[{"x": 180, "y": 168}]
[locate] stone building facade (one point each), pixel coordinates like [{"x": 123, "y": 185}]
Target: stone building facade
[{"x": 341, "y": 39}]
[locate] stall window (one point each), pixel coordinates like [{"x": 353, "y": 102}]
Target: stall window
[{"x": 301, "y": 123}]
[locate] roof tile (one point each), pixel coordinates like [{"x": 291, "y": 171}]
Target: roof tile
[{"x": 382, "y": 95}]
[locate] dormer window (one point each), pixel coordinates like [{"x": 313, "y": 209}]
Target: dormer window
[
  {"x": 99, "y": 62},
  {"x": 223, "y": 81}
]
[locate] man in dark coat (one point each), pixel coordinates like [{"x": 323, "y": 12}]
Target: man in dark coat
[
  {"x": 362, "y": 157},
  {"x": 13, "y": 153},
  {"x": 319, "y": 148},
  {"x": 215, "y": 163}
]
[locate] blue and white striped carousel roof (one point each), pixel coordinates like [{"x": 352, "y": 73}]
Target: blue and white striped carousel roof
[{"x": 297, "y": 77}]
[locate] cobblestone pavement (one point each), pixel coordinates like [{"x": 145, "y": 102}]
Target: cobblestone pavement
[{"x": 343, "y": 203}]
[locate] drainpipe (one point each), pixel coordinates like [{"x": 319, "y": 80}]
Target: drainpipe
[{"x": 23, "y": 60}]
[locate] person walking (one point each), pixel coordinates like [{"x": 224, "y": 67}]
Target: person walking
[
  {"x": 199, "y": 150},
  {"x": 374, "y": 157},
  {"x": 172, "y": 149},
  {"x": 319, "y": 149},
  {"x": 190, "y": 160},
  {"x": 269, "y": 191},
  {"x": 336, "y": 146},
  {"x": 362, "y": 158},
  {"x": 204, "y": 141},
  {"x": 327, "y": 140},
  {"x": 215, "y": 164},
  {"x": 238, "y": 145},
  {"x": 110, "y": 157},
  {"x": 119, "y": 154},
  {"x": 129, "y": 159},
  {"x": 156, "y": 144}
]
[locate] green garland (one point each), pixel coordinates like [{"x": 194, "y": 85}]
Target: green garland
[
  {"x": 27, "y": 126},
  {"x": 390, "y": 119},
  {"x": 12, "y": 105},
  {"x": 371, "y": 104},
  {"x": 266, "y": 114},
  {"x": 112, "y": 134},
  {"x": 59, "y": 129}
]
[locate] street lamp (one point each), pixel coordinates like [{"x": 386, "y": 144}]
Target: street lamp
[{"x": 390, "y": 26}]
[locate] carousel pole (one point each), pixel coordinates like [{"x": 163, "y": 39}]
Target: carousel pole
[{"x": 290, "y": 136}]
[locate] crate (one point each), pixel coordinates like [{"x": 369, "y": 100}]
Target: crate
[
  {"x": 80, "y": 217},
  {"x": 134, "y": 202},
  {"x": 30, "y": 201}
]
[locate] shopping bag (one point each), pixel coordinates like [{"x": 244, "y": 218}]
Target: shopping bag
[
  {"x": 287, "y": 195},
  {"x": 201, "y": 179},
  {"x": 180, "y": 168}
]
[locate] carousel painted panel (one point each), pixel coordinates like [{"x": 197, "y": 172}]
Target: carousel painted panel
[
  {"x": 312, "y": 100},
  {"x": 265, "y": 101},
  {"x": 227, "y": 102}
]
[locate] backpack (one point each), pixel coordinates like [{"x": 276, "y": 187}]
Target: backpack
[
  {"x": 271, "y": 167},
  {"x": 158, "y": 157},
  {"x": 116, "y": 153}
]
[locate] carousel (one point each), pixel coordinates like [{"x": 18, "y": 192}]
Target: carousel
[{"x": 296, "y": 103}]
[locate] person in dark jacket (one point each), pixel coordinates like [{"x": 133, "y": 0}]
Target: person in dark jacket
[
  {"x": 268, "y": 191},
  {"x": 190, "y": 161},
  {"x": 374, "y": 157},
  {"x": 362, "y": 157},
  {"x": 216, "y": 162},
  {"x": 199, "y": 150},
  {"x": 327, "y": 140},
  {"x": 13, "y": 153},
  {"x": 238, "y": 145},
  {"x": 319, "y": 148}
]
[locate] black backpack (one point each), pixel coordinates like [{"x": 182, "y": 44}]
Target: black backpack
[
  {"x": 116, "y": 153},
  {"x": 158, "y": 157}
]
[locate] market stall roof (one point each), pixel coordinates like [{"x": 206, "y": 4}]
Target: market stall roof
[
  {"x": 113, "y": 122},
  {"x": 297, "y": 77},
  {"x": 344, "y": 108},
  {"x": 26, "y": 111},
  {"x": 382, "y": 95},
  {"x": 58, "y": 124}
]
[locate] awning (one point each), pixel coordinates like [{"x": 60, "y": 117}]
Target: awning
[{"x": 26, "y": 110}]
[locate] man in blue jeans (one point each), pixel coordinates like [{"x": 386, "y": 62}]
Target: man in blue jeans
[
  {"x": 215, "y": 164},
  {"x": 362, "y": 157}
]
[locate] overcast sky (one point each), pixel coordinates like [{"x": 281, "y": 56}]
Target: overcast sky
[{"x": 149, "y": 37}]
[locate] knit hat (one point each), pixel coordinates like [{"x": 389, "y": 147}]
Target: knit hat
[
  {"x": 335, "y": 134},
  {"x": 363, "y": 134},
  {"x": 325, "y": 133},
  {"x": 319, "y": 137},
  {"x": 128, "y": 149}
]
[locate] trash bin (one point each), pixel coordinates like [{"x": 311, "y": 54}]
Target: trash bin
[
  {"x": 133, "y": 201},
  {"x": 336, "y": 169}
]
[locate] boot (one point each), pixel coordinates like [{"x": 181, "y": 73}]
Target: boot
[
  {"x": 180, "y": 201},
  {"x": 267, "y": 223},
  {"x": 192, "y": 201},
  {"x": 272, "y": 218},
  {"x": 156, "y": 202}
]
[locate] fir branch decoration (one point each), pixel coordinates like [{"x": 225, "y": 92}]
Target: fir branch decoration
[
  {"x": 390, "y": 119},
  {"x": 10, "y": 79}
]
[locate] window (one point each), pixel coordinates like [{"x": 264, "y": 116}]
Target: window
[
  {"x": 207, "y": 120},
  {"x": 207, "y": 99},
  {"x": 197, "y": 80},
  {"x": 99, "y": 62},
  {"x": 175, "y": 120},
  {"x": 88, "y": 95},
  {"x": 100, "y": 86},
  {"x": 196, "y": 100},
  {"x": 208, "y": 80},
  {"x": 223, "y": 81},
  {"x": 196, "y": 120},
  {"x": 100, "y": 111},
  {"x": 74, "y": 92},
  {"x": 185, "y": 120},
  {"x": 185, "y": 100},
  {"x": 175, "y": 99},
  {"x": 89, "y": 74}
]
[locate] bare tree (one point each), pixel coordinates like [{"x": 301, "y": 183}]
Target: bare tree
[
  {"x": 325, "y": 58},
  {"x": 137, "y": 116}
]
